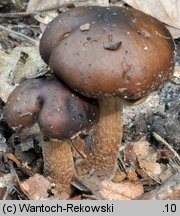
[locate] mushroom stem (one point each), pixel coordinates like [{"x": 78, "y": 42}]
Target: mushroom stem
[
  {"x": 102, "y": 161},
  {"x": 58, "y": 163}
]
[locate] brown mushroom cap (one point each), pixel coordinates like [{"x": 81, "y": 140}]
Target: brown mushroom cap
[
  {"x": 59, "y": 112},
  {"x": 124, "y": 53},
  {"x": 61, "y": 26}
]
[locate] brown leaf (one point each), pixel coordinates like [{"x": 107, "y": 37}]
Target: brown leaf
[
  {"x": 38, "y": 188},
  {"x": 147, "y": 159},
  {"x": 166, "y": 11},
  {"x": 169, "y": 190},
  {"x": 141, "y": 149},
  {"x": 129, "y": 154},
  {"x": 22, "y": 63},
  {"x": 122, "y": 191},
  {"x": 150, "y": 166}
]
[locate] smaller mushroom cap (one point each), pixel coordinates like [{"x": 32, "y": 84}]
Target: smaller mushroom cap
[{"x": 59, "y": 112}]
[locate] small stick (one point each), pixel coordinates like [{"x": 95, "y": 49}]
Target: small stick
[
  {"x": 13, "y": 158},
  {"x": 77, "y": 143},
  {"x": 23, "y": 166},
  {"x": 160, "y": 139},
  {"x": 18, "y": 36},
  {"x": 17, "y": 15}
]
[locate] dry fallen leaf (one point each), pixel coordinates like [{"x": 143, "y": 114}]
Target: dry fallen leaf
[
  {"x": 121, "y": 191},
  {"x": 29, "y": 65},
  {"x": 49, "y": 10},
  {"x": 166, "y": 11},
  {"x": 46, "y": 17},
  {"x": 147, "y": 157},
  {"x": 7, "y": 63},
  {"x": 45, "y": 5},
  {"x": 169, "y": 190},
  {"x": 150, "y": 166},
  {"x": 129, "y": 154},
  {"x": 108, "y": 190},
  {"x": 22, "y": 63},
  {"x": 38, "y": 187},
  {"x": 141, "y": 149}
]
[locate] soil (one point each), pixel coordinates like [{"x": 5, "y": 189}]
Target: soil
[{"x": 160, "y": 114}]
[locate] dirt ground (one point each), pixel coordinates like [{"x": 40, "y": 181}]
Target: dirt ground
[{"x": 155, "y": 124}]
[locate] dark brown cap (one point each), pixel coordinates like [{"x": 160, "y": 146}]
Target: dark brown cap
[
  {"x": 59, "y": 112},
  {"x": 62, "y": 26},
  {"x": 120, "y": 52}
]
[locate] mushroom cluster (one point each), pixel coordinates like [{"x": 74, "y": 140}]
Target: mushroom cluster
[
  {"x": 60, "y": 114},
  {"x": 116, "y": 55},
  {"x": 113, "y": 54}
]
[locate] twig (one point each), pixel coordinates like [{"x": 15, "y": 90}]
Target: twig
[
  {"x": 13, "y": 158},
  {"x": 160, "y": 139},
  {"x": 77, "y": 143},
  {"x": 23, "y": 166},
  {"x": 17, "y": 15},
  {"x": 18, "y": 36}
]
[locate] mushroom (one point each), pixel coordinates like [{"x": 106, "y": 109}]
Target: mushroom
[
  {"x": 121, "y": 55},
  {"x": 60, "y": 114},
  {"x": 60, "y": 27}
]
